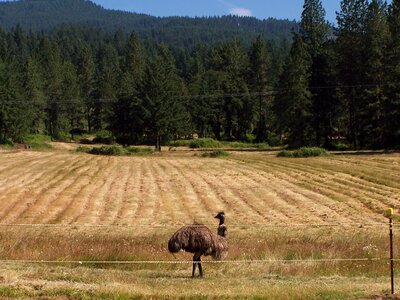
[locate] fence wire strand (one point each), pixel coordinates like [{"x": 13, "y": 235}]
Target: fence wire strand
[
  {"x": 180, "y": 262},
  {"x": 293, "y": 225}
]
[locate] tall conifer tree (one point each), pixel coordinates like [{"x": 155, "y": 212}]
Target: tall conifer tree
[
  {"x": 129, "y": 121},
  {"x": 351, "y": 58},
  {"x": 49, "y": 55},
  {"x": 293, "y": 106},
  {"x": 162, "y": 93},
  {"x": 313, "y": 30},
  {"x": 86, "y": 75},
  {"x": 33, "y": 94},
  {"x": 260, "y": 62},
  {"x": 232, "y": 60},
  {"x": 372, "y": 114},
  {"x": 392, "y": 105}
]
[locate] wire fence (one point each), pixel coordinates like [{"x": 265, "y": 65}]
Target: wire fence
[
  {"x": 181, "y": 262},
  {"x": 286, "y": 225}
]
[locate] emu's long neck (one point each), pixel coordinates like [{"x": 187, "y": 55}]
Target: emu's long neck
[{"x": 223, "y": 231}]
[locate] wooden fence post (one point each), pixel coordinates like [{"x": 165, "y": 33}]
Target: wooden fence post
[{"x": 391, "y": 250}]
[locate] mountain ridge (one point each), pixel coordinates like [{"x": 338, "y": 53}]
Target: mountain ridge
[{"x": 45, "y": 15}]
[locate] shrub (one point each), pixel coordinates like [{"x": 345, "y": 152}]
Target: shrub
[
  {"x": 274, "y": 140},
  {"x": 216, "y": 153},
  {"x": 340, "y": 146},
  {"x": 8, "y": 144},
  {"x": 37, "y": 141},
  {"x": 86, "y": 141},
  {"x": 179, "y": 143},
  {"x": 116, "y": 150},
  {"x": 108, "y": 150},
  {"x": 204, "y": 143},
  {"x": 83, "y": 149},
  {"x": 139, "y": 150},
  {"x": 247, "y": 145},
  {"x": 304, "y": 152},
  {"x": 78, "y": 133},
  {"x": 62, "y": 137},
  {"x": 285, "y": 153},
  {"x": 104, "y": 137}
]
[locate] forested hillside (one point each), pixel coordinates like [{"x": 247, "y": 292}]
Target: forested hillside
[
  {"x": 45, "y": 15},
  {"x": 338, "y": 93}
]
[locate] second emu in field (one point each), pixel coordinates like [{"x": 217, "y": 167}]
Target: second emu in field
[{"x": 200, "y": 240}]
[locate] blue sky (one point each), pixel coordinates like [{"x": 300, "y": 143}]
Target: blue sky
[{"x": 282, "y": 9}]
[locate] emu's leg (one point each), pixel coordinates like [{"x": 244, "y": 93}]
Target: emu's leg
[
  {"x": 194, "y": 264},
  {"x": 200, "y": 267}
]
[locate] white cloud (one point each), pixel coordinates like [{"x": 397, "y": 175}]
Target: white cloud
[{"x": 240, "y": 11}]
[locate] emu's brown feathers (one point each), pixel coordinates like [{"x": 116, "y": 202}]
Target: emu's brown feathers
[{"x": 200, "y": 239}]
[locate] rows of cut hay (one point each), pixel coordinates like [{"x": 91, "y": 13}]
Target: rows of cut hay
[
  {"x": 252, "y": 188},
  {"x": 155, "y": 194}
]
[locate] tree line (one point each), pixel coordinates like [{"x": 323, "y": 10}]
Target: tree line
[
  {"x": 325, "y": 88},
  {"x": 346, "y": 87}
]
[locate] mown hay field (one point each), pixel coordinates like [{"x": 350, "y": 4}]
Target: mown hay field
[{"x": 125, "y": 208}]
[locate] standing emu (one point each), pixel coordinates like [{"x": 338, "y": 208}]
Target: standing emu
[{"x": 200, "y": 240}]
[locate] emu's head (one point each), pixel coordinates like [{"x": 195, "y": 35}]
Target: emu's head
[{"x": 221, "y": 217}]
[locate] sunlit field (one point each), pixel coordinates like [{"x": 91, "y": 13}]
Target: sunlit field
[{"x": 310, "y": 228}]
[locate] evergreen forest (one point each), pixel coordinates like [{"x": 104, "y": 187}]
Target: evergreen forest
[{"x": 315, "y": 85}]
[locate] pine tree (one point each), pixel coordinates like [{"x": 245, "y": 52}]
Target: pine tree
[
  {"x": 259, "y": 82},
  {"x": 162, "y": 93},
  {"x": 86, "y": 76},
  {"x": 15, "y": 117},
  {"x": 313, "y": 27},
  {"x": 232, "y": 60},
  {"x": 75, "y": 108},
  {"x": 208, "y": 108},
  {"x": 327, "y": 109},
  {"x": 106, "y": 83},
  {"x": 49, "y": 56},
  {"x": 128, "y": 121},
  {"x": 293, "y": 106},
  {"x": 32, "y": 84},
  {"x": 313, "y": 30},
  {"x": 198, "y": 104},
  {"x": 351, "y": 57},
  {"x": 20, "y": 42},
  {"x": 133, "y": 67},
  {"x": 372, "y": 116},
  {"x": 392, "y": 105}
]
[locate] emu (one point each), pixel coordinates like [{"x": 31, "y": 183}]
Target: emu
[{"x": 200, "y": 240}]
